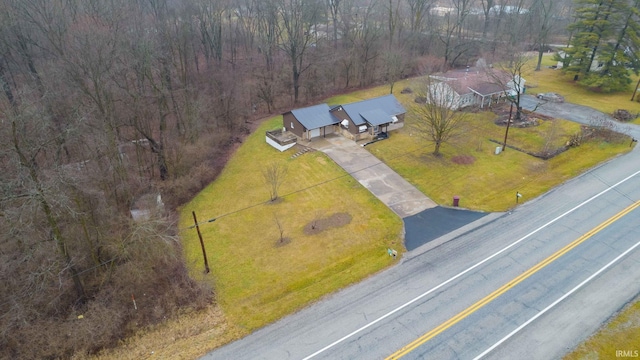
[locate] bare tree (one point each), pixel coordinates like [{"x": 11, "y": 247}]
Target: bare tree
[
  {"x": 455, "y": 45},
  {"x": 508, "y": 75},
  {"x": 334, "y": 11},
  {"x": 364, "y": 40},
  {"x": 542, "y": 11},
  {"x": 267, "y": 40},
  {"x": 298, "y": 18},
  {"x": 418, "y": 11},
  {"x": 281, "y": 239},
  {"x": 393, "y": 19},
  {"x": 29, "y": 150},
  {"x": 487, "y": 9},
  {"x": 274, "y": 175},
  {"x": 395, "y": 67},
  {"x": 107, "y": 102},
  {"x": 436, "y": 120}
]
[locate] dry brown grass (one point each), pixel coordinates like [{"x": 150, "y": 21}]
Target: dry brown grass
[
  {"x": 621, "y": 333},
  {"x": 184, "y": 337}
]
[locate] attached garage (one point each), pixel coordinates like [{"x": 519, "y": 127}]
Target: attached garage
[
  {"x": 360, "y": 120},
  {"x": 314, "y": 133},
  {"x": 310, "y": 122}
]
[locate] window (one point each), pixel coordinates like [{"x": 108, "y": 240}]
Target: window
[{"x": 292, "y": 124}]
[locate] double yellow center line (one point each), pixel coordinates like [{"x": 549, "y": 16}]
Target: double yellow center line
[{"x": 473, "y": 308}]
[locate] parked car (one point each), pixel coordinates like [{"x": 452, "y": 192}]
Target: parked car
[
  {"x": 553, "y": 97},
  {"x": 381, "y": 136}
]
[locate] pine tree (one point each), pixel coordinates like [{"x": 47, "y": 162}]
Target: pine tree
[
  {"x": 591, "y": 26},
  {"x": 606, "y": 32}
]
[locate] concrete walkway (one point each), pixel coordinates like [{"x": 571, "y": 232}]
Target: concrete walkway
[{"x": 394, "y": 191}]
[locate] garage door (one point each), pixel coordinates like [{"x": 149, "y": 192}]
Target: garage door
[{"x": 315, "y": 133}]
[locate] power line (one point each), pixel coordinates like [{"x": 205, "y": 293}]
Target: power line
[
  {"x": 321, "y": 183},
  {"x": 300, "y": 190}
]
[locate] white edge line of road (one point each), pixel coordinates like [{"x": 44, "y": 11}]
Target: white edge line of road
[
  {"x": 556, "y": 302},
  {"x": 366, "y": 326}
]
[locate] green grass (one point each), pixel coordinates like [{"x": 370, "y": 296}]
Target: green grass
[
  {"x": 489, "y": 184},
  {"x": 491, "y": 181},
  {"x": 258, "y": 282},
  {"x": 622, "y": 333},
  {"x": 369, "y": 93},
  {"x": 550, "y": 80}
]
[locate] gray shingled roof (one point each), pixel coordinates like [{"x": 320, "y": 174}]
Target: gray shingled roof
[
  {"x": 314, "y": 117},
  {"x": 387, "y": 104},
  {"x": 376, "y": 117}
]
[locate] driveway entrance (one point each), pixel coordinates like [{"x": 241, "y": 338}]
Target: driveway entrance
[{"x": 394, "y": 191}]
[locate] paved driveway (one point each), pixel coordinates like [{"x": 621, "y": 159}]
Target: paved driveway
[
  {"x": 432, "y": 225},
  {"x": 577, "y": 113},
  {"x": 394, "y": 191}
]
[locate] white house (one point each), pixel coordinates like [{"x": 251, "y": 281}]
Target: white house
[
  {"x": 595, "y": 65},
  {"x": 473, "y": 86}
]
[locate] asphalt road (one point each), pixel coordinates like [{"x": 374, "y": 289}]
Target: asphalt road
[{"x": 470, "y": 293}]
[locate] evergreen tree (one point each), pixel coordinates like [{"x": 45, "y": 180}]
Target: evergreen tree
[
  {"x": 591, "y": 26},
  {"x": 605, "y": 44}
]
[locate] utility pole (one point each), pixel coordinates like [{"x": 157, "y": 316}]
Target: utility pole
[
  {"x": 506, "y": 133},
  {"x": 204, "y": 252},
  {"x": 636, "y": 90}
]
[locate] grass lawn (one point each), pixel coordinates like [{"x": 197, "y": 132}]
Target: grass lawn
[
  {"x": 490, "y": 182},
  {"x": 551, "y": 80},
  {"x": 257, "y": 280},
  {"x": 365, "y": 94},
  {"x": 441, "y": 178},
  {"x": 622, "y": 333}
]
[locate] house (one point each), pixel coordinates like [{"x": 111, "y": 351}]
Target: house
[
  {"x": 310, "y": 122},
  {"x": 596, "y": 65},
  {"x": 481, "y": 87},
  {"x": 357, "y": 121},
  {"x": 367, "y": 118}
]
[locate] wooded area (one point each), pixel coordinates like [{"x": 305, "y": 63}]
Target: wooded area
[{"x": 121, "y": 105}]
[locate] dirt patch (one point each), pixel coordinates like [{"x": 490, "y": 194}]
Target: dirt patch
[
  {"x": 463, "y": 159},
  {"x": 527, "y": 119},
  {"x": 319, "y": 225}
]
